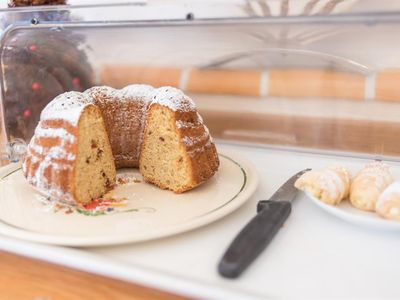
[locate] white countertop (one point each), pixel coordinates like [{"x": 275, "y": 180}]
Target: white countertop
[{"x": 315, "y": 255}]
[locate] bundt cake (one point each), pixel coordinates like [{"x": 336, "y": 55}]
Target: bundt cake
[{"x": 82, "y": 138}]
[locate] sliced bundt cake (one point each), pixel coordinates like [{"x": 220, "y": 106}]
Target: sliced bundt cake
[
  {"x": 177, "y": 151},
  {"x": 83, "y": 137}
]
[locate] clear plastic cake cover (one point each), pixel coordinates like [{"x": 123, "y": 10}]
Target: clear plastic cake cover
[{"x": 313, "y": 75}]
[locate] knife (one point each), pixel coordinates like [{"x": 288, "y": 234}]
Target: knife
[{"x": 258, "y": 233}]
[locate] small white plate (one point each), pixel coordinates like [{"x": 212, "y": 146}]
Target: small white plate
[
  {"x": 349, "y": 213},
  {"x": 141, "y": 211}
]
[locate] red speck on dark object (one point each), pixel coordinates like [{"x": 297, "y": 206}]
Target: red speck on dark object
[
  {"x": 36, "y": 86},
  {"x": 76, "y": 81},
  {"x": 27, "y": 113},
  {"x": 33, "y": 47}
]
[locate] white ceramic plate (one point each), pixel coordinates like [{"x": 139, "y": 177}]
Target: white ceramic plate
[
  {"x": 349, "y": 213},
  {"x": 140, "y": 212}
]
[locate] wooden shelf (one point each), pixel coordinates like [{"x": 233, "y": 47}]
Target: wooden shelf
[{"x": 24, "y": 278}]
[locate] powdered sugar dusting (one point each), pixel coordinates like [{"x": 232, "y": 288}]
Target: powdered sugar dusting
[
  {"x": 181, "y": 124},
  {"x": 329, "y": 181},
  {"x": 343, "y": 171},
  {"x": 335, "y": 178},
  {"x": 391, "y": 191},
  {"x": 193, "y": 140},
  {"x": 144, "y": 94},
  {"x": 378, "y": 172},
  {"x": 327, "y": 184},
  {"x": 48, "y": 159},
  {"x": 194, "y": 151},
  {"x": 102, "y": 92},
  {"x": 54, "y": 132},
  {"x": 43, "y": 184},
  {"x": 393, "y": 188},
  {"x": 58, "y": 152},
  {"x": 67, "y": 106},
  {"x": 142, "y": 91},
  {"x": 173, "y": 98}
]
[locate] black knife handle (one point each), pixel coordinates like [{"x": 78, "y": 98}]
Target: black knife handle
[{"x": 253, "y": 238}]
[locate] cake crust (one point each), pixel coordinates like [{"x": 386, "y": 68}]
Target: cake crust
[{"x": 196, "y": 148}]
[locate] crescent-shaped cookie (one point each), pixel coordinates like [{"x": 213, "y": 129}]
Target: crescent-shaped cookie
[
  {"x": 369, "y": 183},
  {"x": 388, "y": 204},
  {"x": 330, "y": 185}
]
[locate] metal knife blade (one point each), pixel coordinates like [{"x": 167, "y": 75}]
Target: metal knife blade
[
  {"x": 287, "y": 191},
  {"x": 259, "y": 232}
]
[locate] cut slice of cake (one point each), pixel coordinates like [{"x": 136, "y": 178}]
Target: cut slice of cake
[
  {"x": 177, "y": 152},
  {"x": 95, "y": 172},
  {"x": 70, "y": 157}
]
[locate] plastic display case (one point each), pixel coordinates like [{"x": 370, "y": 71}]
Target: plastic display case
[
  {"x": 287, "y": 83},
  {"x": 325, "y": 79}
]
